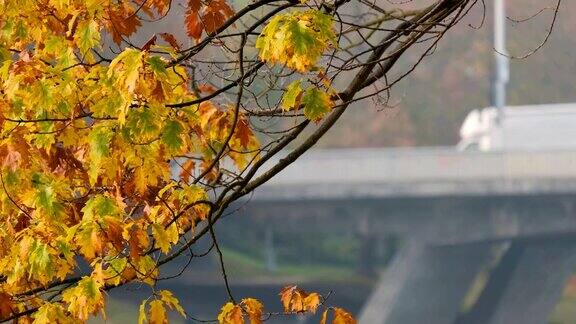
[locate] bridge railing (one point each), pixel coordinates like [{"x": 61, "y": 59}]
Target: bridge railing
[{"x": 425, "y": 164}]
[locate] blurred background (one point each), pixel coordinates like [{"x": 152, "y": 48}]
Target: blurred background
[{"x": 472, "y": 216}]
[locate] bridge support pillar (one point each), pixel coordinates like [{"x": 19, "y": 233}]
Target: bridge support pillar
[
  {"x": 526, "y": 284},
  {"x": 425, "y": 284},
  {"x": 366, "y": 254}
]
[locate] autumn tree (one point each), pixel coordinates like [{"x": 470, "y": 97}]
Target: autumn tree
[{"x": 117, "y": 155}]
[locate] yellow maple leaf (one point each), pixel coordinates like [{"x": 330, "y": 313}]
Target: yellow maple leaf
[
  {"x": 165, "y": 237},
  {"x": 50, "y": 313},
  {"x": 169, "y": 299},
  {"x": 146, "y": 270},
  {"x": 84, "y": 299},
  {"x": 254, "y": 308},
  {"x": 158, "y": 313},
  {"x": 142, "y": 318},
  {"x": 341, "y": 316},
  {"x": 324, "y": 317},
  {"x": 230, "y": 314}
]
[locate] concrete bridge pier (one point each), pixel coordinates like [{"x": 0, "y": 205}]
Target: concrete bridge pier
[
  {"x": 428, "y": 283},
  {"x": 526, "y": 284},
  {"x": 366, "y": 255},
  {"x": 425, "y": 284}
]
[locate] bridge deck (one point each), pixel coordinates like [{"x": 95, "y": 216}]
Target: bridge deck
[{"x": 331, "y": 174}]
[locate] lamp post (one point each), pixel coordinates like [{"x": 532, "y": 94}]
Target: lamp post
[{"x": 502, "y": 74}]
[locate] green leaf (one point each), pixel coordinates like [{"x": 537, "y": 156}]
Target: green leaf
[
  {"x": 147, "y": 270},
  {"x": 87, "y": 37},
  {"x": 41, "y": 264},
  {"x": 302, "y": 37},
  {"x": 44, "y": 196},
  {"x": 322, "y": 23},
  {"x": 171, "y": 135},
  {"x": 99, "y": 141},
  {"x": 142, "y": 123},
  {"x": 317, "y": 104},
  {"x": 114, "y": 270},
  {"x": 65, "y": 249},
  {"x": 157, "y": 65},
  {"x": 46, "y": 199},
  {"x": 292, "y": 96},
  {"x": 101, "y": 206}
]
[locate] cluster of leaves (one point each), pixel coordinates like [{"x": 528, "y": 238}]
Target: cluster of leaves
[
  {"x": 297, "y": 39},
  {"x": 294, "y": 301},
  {"x": 316, "y": 103},
  {"x": 115, "y": 159},
  {"x": 88, "y": 147},
  {"x": 157, "y": 308}
]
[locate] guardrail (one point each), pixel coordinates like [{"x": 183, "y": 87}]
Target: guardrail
[{"x": 357, "y": 166}]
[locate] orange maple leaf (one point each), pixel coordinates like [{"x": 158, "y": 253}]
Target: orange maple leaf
[
  {"x": 123, "y": 21},
  {"x": 297, "y": 300},
  {"x": 187, "y": 170},
  {"x": 243, "y": 132},
  {"x": 170, "y": 39},
  {"x": 194, "y": 26},
  {"x": 207, "y": 17},
  {"x": 6, "y": 305}
]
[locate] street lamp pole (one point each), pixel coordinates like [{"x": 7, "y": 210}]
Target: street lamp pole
[{"x": 502, "y": 74}]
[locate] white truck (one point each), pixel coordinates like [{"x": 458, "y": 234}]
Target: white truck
[{"x": 535, "y": 127}]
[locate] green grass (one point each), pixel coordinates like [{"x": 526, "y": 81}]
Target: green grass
[
  {"x": 242, "y": 265},
  {"x": 239, "y": 264},
  {"x": 565, "y": 311}
]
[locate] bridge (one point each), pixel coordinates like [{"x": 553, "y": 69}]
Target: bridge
[{"x": 489, "y": 237}]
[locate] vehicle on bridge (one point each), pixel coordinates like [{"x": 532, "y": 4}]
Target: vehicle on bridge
[{"x": 533, "y": 127}]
